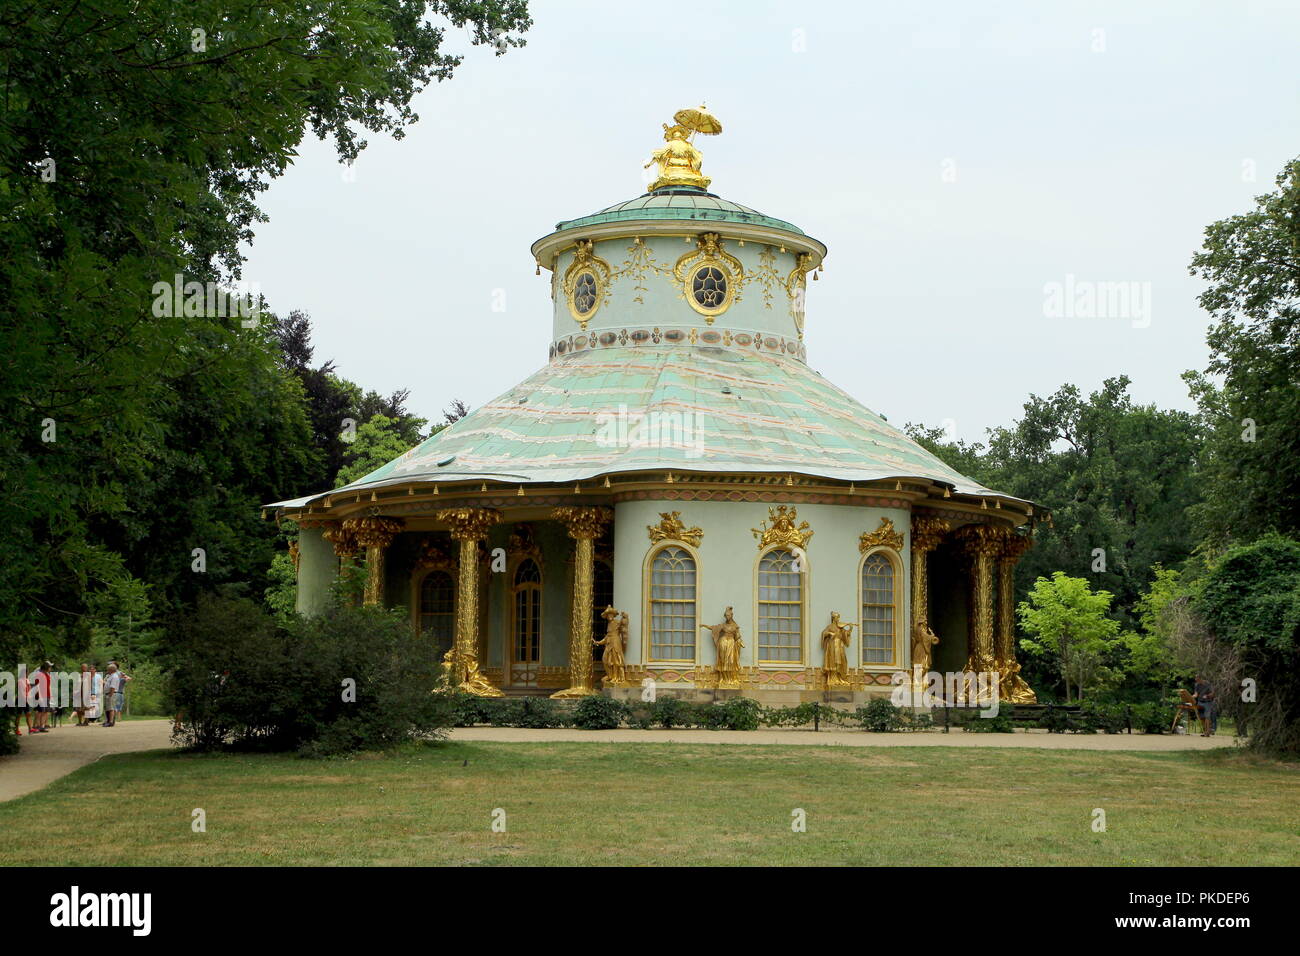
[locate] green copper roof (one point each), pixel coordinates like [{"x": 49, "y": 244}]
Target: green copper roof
[
  {"x": 717, "y": 409},
  {"x": 679, "y": 203}
]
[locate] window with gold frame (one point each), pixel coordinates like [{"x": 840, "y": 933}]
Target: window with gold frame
[
  {"x": 671, "y": 607},
  {"x": 879, "y": 610},
  {"x": 780, "y": 608}
]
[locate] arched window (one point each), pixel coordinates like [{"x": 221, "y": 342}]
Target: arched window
[
  {"x": 602, "y": 596},
  {"x": 672, "y": 605},
  {"x": 527, "y": 613},
  {"x": 878, "y": 609},
  {"x": 780, "y": 608},
  {"x": 438, "y": 610}
]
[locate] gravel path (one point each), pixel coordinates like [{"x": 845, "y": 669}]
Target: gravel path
[{"x": 45, "y": 758}]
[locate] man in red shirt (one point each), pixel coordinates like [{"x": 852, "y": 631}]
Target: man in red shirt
[{"x": 41, "y": 691}]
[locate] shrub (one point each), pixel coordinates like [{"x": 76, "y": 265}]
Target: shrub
[
  {"x": 1001, "y": 723},
  {"x": 879, "y": 716},
  {"x": 351, "y": 679},
  {"x": 739, "y": 713},
  {"x": 641, "y": 716},
  {"x": 670, "y": 712},
  {"x": 8, "y": 742},
  {"x": 1152, "y": 718},
  {"x": 1054, "y": 720},
  {"x": 598, "y": 713},
  {"x": 800, "y": 715},
  {"x": 1109, "y": 718},
  {"x": 916, "y": 720}
]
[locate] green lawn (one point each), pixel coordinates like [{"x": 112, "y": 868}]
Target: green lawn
[{"x": 575, "y": 803}]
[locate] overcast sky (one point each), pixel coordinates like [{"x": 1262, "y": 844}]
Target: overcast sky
[{"x": 956, "y": 163}]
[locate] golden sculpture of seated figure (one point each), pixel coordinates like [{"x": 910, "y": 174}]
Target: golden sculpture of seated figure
[{"x": 679, "y": 161}]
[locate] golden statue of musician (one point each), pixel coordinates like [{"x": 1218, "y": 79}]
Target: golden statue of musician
[
  {"x": 835, "y": 657},
  {"x": 923, "y": 642},
  {"x": 679, "y": 161},
  {"x": 615, "y": 644},
  {"x": 726, "y": 645}
]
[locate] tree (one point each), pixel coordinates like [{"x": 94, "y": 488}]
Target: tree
[
  {"x": 1067, "y": 624},
  {"x": 1249, "y": 394},
  {"x": 1115, "y": 477},
  {"x": 137, "y": 137},
  {"x": 377, "y": 443},
  {"x": 1250, "y": 600}
]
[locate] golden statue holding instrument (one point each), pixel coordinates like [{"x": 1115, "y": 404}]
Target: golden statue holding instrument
[
  {"x": 835, "y": 657},
  {"x": 679, "y": 161},
  {"x": 615, "y": 644}
]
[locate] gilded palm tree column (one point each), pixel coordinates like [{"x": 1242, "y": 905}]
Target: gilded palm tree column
[
  {"x": 926, "y": 534},
  {"x": 585, "y": 526},
  {"x": 982, "y": 544},
  {"x": 345, "y": 546},
  {"x": 469, "y": 526},
  {"x": 374, "y": 534},
  {"x": 1011, "y": 686}
]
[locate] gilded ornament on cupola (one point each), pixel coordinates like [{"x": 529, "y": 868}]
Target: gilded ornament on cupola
[
  {"x": 710, "y": 277},
  {"x": 679, "y": 161},
  {"x": 586, "y": 282}
]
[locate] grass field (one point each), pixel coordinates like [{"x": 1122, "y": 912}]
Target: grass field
[{"x": 666, "y": 804}]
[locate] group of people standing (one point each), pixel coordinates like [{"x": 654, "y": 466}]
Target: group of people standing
[{"x": 95, "y": 696}]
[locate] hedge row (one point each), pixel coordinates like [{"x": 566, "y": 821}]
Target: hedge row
[{"x": 742, "y": 713}]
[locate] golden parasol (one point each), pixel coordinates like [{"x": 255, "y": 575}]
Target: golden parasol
[{"x": 698, "y": 120}]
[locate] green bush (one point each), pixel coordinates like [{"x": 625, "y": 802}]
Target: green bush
[
  {"x": 739, "y": 713},
  {"x": 1152, "y": 718},
  {"x": 8, "y": 742},
  {"x": 146, "y": 693},
  {"x": 1108, "y": 718},
  {"x": 879, "y": 716},
  {"x": 1054, "y": 721},
  {"x": 1001, "y": 723},
  {"x": 641, "y": 716},
  {"x": 350, "y": 679},
  {"x": 916, "y": 720},
  {"x": 800, "y": 715},
  {"x": 598, "y": 713},
  {"x": 670, "y": 712}
]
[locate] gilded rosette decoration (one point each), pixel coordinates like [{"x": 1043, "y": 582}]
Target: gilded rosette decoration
[
  {"x": 883, "y": 535},
  {"x": 586, "y": 282},
  {"x": 671, "y": 527},
  {"x": 434, "y": 557},
  {"x": 717, "y": 273},
  {"x": 523, "y": 543},
  {"x": 782, "y": 532}
]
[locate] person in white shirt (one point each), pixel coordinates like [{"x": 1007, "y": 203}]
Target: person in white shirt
[{"x": 114, "y": 685}]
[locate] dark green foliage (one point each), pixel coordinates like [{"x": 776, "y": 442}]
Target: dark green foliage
[
  {"x": 1055, "y": 720},
  {"x": 1250, "y": 600},
  {"x": 1248, "y": 395},
  {"x": 738, "y": 713},
  {"x": 1097, "y": 717},
  {"x": 879, "y": 716},
  {"x": 8, "y": 742},
  {"x": 598, "y": 713},
  {"x": 351, "y": 679},
  {"x": 670, "y": 712},
  {"x": 171, "y": 429},
  {"x": 1001, "y": 723}
]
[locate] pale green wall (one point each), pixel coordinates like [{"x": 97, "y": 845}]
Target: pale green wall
[
  {"x": 662, "y": 304},
  {"x": 728, "y": 555},
  {"x": 317, "y": 568}
]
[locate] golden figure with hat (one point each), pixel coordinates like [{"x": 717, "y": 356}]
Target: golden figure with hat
[{"x": 679, "y": 161}]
